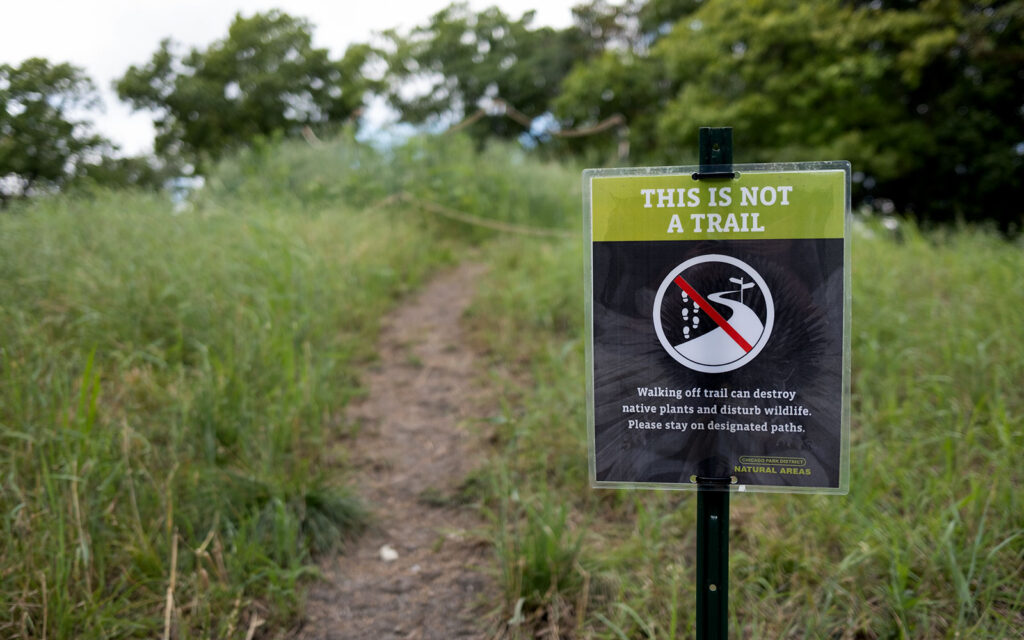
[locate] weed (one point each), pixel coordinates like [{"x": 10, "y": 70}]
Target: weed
[
  {"x": 171, "y": 379},
  {"x": 927, "y": 544}
]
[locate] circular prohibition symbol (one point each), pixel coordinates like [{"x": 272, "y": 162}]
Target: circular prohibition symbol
[{"x": 721, "y": 343}]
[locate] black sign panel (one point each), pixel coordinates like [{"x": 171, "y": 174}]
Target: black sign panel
[{"x": 723, "y": 354}]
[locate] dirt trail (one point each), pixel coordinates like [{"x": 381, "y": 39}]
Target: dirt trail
[{"x": 413, "y": 440}]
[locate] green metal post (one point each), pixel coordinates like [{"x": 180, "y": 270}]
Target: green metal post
[
  {"x": 712, "y": 563},
  {"x": 713, "y": 492}
]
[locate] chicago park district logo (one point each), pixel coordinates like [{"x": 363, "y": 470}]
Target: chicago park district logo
[{"x": 713, "y": 313}]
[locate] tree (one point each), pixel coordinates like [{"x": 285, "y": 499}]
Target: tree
[
  {"x": 922, "y": 98},
  {"x": 609, "y": 26},
  {"x": 795, "y": 80},
  {"x": 133, "y": 172},
  {"x": 462, "y": 59},
  {"x": 42, "y": 144},
  {"x": 632, "y": 25},
  {"x": 614, "y": 82},
  {"x": 621, "y": 76},
  {"x": 265, "y": 77},
  {"x": 968, "y": 95}
]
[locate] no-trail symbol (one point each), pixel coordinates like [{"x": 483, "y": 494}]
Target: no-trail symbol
[{"x": 735, "y": 300}]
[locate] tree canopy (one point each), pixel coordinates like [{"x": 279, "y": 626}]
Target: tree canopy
[
  {"x": 43, "y": 143},
  {"x": 924, "y": 98},
  {"x": 264, "y": 77},
  {"x": 459, "y": 59}
]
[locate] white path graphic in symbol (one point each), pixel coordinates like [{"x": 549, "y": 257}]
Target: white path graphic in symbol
[{"x": 717, "y": 345}]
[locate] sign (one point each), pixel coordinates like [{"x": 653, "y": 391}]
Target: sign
[{"x": 717, "y": 317}]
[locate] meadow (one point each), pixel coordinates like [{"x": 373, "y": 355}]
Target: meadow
[
  {"x": 929, "y": 543},
  {"x": 173, "y": 382}
]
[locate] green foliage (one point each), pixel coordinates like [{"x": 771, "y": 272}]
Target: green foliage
[
  {"x": 608, "y": 26},
  {"x": 446, "y": 170},
  {"x": 465, "y": 58},
  {"x": 620, "y": 77},
  {"x": 763, "y": 69},
  {"x": 42, "y": 143},
  {"x": 181, "y": 376},
  {"x": 922, "y": 98},
  {"x": 969, "y": 165},
  {"x": 657, "y": 17},
  {"x": 537, "y": 551},
  {"x": 929, "y": 541},
  {"x": 140, "y": 172},
  {"x": 265, "y": 77},
  {"x": 176, "y": 379},
  {"x": 614, "y": 82}
]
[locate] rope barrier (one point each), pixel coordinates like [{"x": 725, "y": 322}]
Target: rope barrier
[
  {"x": 616, "y": 120},
  {"x": 467, "y": 122},
  {"x": 310, "y": 137},
  {"x": 468, "y": 218},
  {"x": 510, "y": 112}
]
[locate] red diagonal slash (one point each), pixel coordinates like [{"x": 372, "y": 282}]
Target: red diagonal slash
[{"x": 717, "y": 317}]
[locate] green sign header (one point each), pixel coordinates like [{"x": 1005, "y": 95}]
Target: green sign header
[{"x": 753, "y": 206}]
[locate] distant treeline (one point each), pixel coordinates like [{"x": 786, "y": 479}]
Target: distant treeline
[{"x": 926, "y": 99}]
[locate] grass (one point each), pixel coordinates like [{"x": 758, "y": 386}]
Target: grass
[
  {"x": 171, "y": 383},
  {"x": 172, "y": 379},
  {"x": 930, "y": 541},
  {"x": 168, "y": 381}
]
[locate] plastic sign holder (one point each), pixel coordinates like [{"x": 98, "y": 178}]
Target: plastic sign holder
[{"x": 718, "y": 346}]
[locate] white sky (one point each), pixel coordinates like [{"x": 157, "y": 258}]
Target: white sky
[{"x": 105, "y": 37}]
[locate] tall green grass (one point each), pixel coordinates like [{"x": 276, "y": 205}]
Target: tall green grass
[
  {"x": 928, "y": 544},
  {"x": 169, "y": 380},
  {"x": 172, "y": 379},
  {"x": 499, "y": 182}
]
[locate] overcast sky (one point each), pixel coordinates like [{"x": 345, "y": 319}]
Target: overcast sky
[{"x": 106, "y": 36}]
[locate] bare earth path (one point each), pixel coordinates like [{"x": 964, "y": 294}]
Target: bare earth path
[{"x": 412, "y": 439}]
